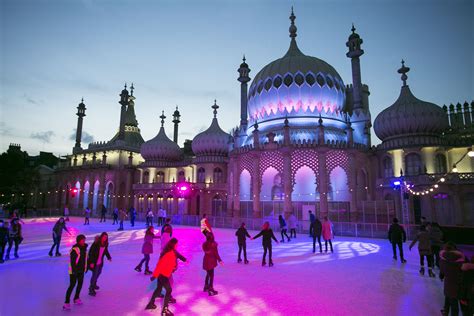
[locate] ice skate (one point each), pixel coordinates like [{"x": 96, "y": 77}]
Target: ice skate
[
  {"x": 264, "y": 263},
  {"x": 166, "y": 312},
  {"x": 206, "y": 288},
  {"x": 172, "y": 300},
  {"x": 67, "y": 307},
  {"x": 138, "y": 269},
  {"x": 422, "y": 271},
  {"x": 147, "y": 272},
  {"x": 77, "y": 301},
  {"x": 246, "y": 261},
  {"x": 58, "y": 254},
  {"x": 151, "y": 306},
  {"x": 50, "y": 254},
  {"x": 212, "y": 292},
  {"x": 395, "y": 258},
  {"x": 431, "y": 274},
  {"x": 404, "y": 261},
  {"x": 239, "y": 260},
  {"x": 92, "y": 292},
  {"x": 96, "y": 288},
  {"x": 270, "y": 264},
  {"x": 17, "y": 256}
]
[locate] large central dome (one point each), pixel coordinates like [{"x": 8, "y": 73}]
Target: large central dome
[{"x": 295, "y": 86}]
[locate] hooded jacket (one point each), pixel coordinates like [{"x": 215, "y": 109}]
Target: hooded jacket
[
  {"x": 450, "y": 267},
  {"x": 78, "y": 259},
  {"x": 166, "y": 265}
]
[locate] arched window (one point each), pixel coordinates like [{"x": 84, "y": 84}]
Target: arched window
[
  {"x": 218, "y": 175},
  {"x": 440, "y": 163},
  {"x": 160, "y": 177},
  {"x": 387, "y": 167},
  {"x": 412, "y": 164},
  {"x": 201, "y": 175},
  {"x": 181, "y": 176}
]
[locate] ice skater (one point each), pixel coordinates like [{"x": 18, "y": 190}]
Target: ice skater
[
  {"x": 57, "y": 233},
  {"x": 316, "y": 229},
  {"x": 292, "y": 224},
  {"x": 103, "y": 212},
  {"x": 242, "y": 235},
  {"x": 87, "y": 214},
  {"x": 424, "y": 249},
  {"x": 77, "y": 268},
  {"x": 66, "y": 213},
  {"x": 283, "y": 229},
  {"x": 161, "y": 217},
  {"x": 95, "y": 261},
  {"x": 3, "y": 238},
  {"x": 397, "y": 236},
  {"x": 267, "y": 235},
  {"x": 165, "y": 267},
  {"x": 115, "y": 215},
  {"x": 328, "y": 233},
  {"x": 467, "y": 298},
  {"x": 133, "y": 216},
  {"x": 147, "y": 250},
  {"x": 123, "y": 216},
  {"x": 451, "y": 261},
  {"x": 209, "y": 263},
  {"x": 312, "y": 218},
  {"x": 436, "y": 238},
  {"x": 15, "y": 237},
  {"x": 149, "y": 218},
  {"x": 205, "y": 226},
  {"x": 166, "y": 233}
]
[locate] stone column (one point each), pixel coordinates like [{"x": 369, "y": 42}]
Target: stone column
[
  {"x": 287, "y": 185},
  {"x": 323, "y": 184},
  {"x": 256, "y": 186},
  {"x": 236, "y": 188},
  {"x": 352, "y": 179}
]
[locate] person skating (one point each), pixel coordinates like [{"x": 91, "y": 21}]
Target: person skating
[
  {"x": 316, "y": 229},
  {"x": 327, "y": 233},
  {"x": 147, "y": 250},
  {"x": 95, "y": 260},
  {"x": 123, "y": 216},
  {"x": 57, "y": 233},
  {"x": 292, "y": 224},
  {"x": 205, "y": 226},
  {"x": 15, "y": 237},
  {"x": 133, "y": 215},
  {"x": 467, "y": 288},
  {"x": 267, "y": 235},
  {"x": 77, "y": 268},
  {"x": 436, "y": 237},
  {"x": 3, "y": 238},
  {"x": 66, "y": 213},
  {"x": 312, "y": 218},
  {"x": 166, "y": 233},
  {"x": 87, "y": 214},
  {"x": 283, "y": 229},
  {"x": 103, "y": 212},
  {"x": 424, "y": 249},
  {"x": 242, "y": 235},
  {"x": 450, "y": 264},
  {"x": 397, "y": 236},
  {"x": 115, "y": 215},
  {"x": 165, "y": 267},
  {"x": 209, "y": 263},
  {"x": 149, "y": 218},
  {"x": 161, "y": 217}
]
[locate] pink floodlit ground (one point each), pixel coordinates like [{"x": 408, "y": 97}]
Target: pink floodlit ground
[{"x": 360, "y": 278}]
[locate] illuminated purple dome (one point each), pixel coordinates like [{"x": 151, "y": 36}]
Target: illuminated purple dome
[{"x": 161, "y": 148}]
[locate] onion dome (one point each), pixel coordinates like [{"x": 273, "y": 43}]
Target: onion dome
[
  {"x": 295, "y": 85},
  {"x": 213, "y": 141},
  {"x": 161, "y": 148},
  {"x": 409, "y": 117}
]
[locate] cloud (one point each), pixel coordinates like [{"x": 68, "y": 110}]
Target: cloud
[
  {"x": 86, "y": 137},
  {"x": 5, "y": 130},
  {"x": 43, "y": 136},
  {"x": 31, "y": 100}
]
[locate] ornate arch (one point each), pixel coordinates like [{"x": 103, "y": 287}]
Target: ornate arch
[
  {"x": 271, "y": 159},
  {"x": 300, "y": 158},
  {"x": 246, "y": 162},
  {"x": 336, "y": 158}
]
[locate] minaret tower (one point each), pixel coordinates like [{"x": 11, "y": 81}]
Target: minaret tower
[
  {"x": 124, "y": 98},
  {"x": 355, "y": 51},
  {"x": 81, "y": 112},
  {"x": 176, "y": 121},
  {"x": 244, "y": 78}
]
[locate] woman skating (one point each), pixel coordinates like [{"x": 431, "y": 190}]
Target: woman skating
[
  {"x": 283, "y": 228},
  {"x": 77, "y": 268},
  {"x": 57, "y": 232},
  {"x": 327, "y": 233},
  {"x": 267, "y": 236},
  {"x": 165, "y": 267},
  {"x": 242, "y": 234},
  {"x": 424, "y": 249},
  {"x": 292, "y": 224},
  {"x": 87, "y": 214},
  {"x": 116, "y": 215},
  {"x": 95, "y": 262},
  {"x": 210, "y": 260},
  {"x": 147, "y": 249},
  {"x": 149, "y": 218},
  {"x": 15, "y": 237}
]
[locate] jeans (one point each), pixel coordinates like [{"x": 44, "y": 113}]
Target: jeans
[
  {"x": 435, "y": 250},
  {"x": 132, "y": 220},
  {"x": 102, "y": 217},
  {"x": 11, "y": 241},
  {"x": 86, "y": 221},
  {"x": 56, "y": 242},
  {"x": 293, "y": 233},
  {"x": 95, "y": 276},
  {"x": 326, "y": 245},
  {"x": 400, "y": 249},
  {"x": 269, "y": 249},
  {"x": 283, "y": 233},
  {"x": 243, "y": 246},
  {"x": 163, "y": 282},
  {"x": 209, "y": 282},
  {"x": 73, "y": 278},
  {"x": 146, "y": 260},
  {"x": 311, "y": 229},
  {"x": 314, "y": 243},
  {"x": 115, "y": 219},
  {"x": 121, "y": 225},
  {"x": 451, "y": 304},
  {"x": 2, "y": 250},
  {"x": 161, "y": 221},
  {"x": 429, "y": 258}
]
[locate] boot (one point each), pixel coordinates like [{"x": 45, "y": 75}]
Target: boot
[
  {"x": 239, "y": 260},
  {"x": 206, "y": 288},
  {"x": 246, "y": 261},
  {"x": 50, "y": 254},
  {"x": 92, "y": 292},
  {"x": 270, "y": 264},
  {"x": 151, "y": 305},
  {"x": 77, "y": 301},
  {"x": 147, "y": 272},
  {"x": 172, "y": 300},
  {"x": 58, "y": 254},
  {"x": 16, "y": 255},
  {"x": 96, "y": 288},
  {"x": 264, "y": 263},
  {"x": 431, "y": 274},
  {"x": 67, "y": 307},
  {"x": 166, "y": 312},
  {"x": 422, "y": 271},
  {"x": 404, "y": 261},
  {"x": 289, "y": 239},
  {"x": 138, "y": 269},
  {"x": 7, "y": 257},
  {"x": 212, "y": 292}
]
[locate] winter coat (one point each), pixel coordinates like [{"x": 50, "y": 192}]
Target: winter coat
[
  {"x": 166, "y": 265},
  {"x": 87, "y": 213},
  {"x": 3, "y": 235},
  {"x": 241, "y": 234},
  {"x": 165, "y": 238},
  {"x": 149, "y": 214},
  {"x": 450, "y": 267},
  {"x": 147, "y": 247},
  {"x": 167, "y": 228},
  {"x": 467, "y": 286},
  {"x": 78, "y": 259},
  {"x": 205, "y": 226},
  {"x": 424, "y": 243},
  {"x": 267, "y": 236},
  {"x": 211, "y": 255},
  {"x": 59, "y": 227},
  {"x": 104, "y": 210},
  {"x": 312, "y": 217},
  {"x": 94, "y": 252},
  {"x": 436, "y": 236},
  {"x": 15, "y": 230},
  {"x": 282, "y": 222},
  {"x": 123, "y": 215},
  {"x": 133, "y": 212},
  {"x": 317, "y": 227},
  {"x": 292, "y": 222},
  {"x": 396, "y": 234},
  {"x": 327, "y": 230}
]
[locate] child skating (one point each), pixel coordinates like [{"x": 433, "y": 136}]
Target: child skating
[
  {"x": 147, "y": 250},
  {"x": 210, "y": 260},
  {"x": 77, "y": 268},
  {"x": 267, "y": 235},
  {"x": 242, "y": 235}
]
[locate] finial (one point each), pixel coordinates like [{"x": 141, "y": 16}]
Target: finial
[
  {"x": 286, "y": 121},
  {"x": 353, "y": 28},
  {"x": 125, "y": 86},
  {"x": 131, "y": 89},
  {"x": 243, "y": 59},
  {"x": 176, "y": 107},
  {"x": 215, "y": 107},
  {"x": 162, "y": 117},
  {"x": 404, "y": 70},
  {"x": 82, "y": 100},
  {"x": 293, "y": 28},
  {"x": 320, "y": 121},
  {"x": 255, "y": 126}
]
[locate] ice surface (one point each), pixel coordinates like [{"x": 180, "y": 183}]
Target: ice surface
[{"x": 360, "y": 278}]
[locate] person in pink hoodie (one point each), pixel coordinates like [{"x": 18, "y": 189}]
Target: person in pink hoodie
[
  {"x": 147, "y": 250},
  {"x": 327, "y": 233}
]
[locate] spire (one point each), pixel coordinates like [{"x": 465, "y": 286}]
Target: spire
[
  {"x": 162, "y": 117},
  {"x": 293, "y": 50},
  {"x": 293, "y": 27},
  {"x": 176, "y": 121},
  {"x": 404, "y": 70},
  {"x": 131, "y": 89},
  {"x": 215, "y": 107},
  {"x": 353, "y": 29}
]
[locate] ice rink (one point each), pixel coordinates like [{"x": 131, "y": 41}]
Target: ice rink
[{"x": 360, "y": 278}]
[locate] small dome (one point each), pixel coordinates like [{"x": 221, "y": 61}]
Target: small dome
[
  {"x": 410, "y": 116},
  {"x": 161, "y": 148},
  {"x": 212, "y": 142}
]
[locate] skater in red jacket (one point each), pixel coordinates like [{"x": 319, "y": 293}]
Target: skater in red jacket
[{"x": 210, "y": 260}]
